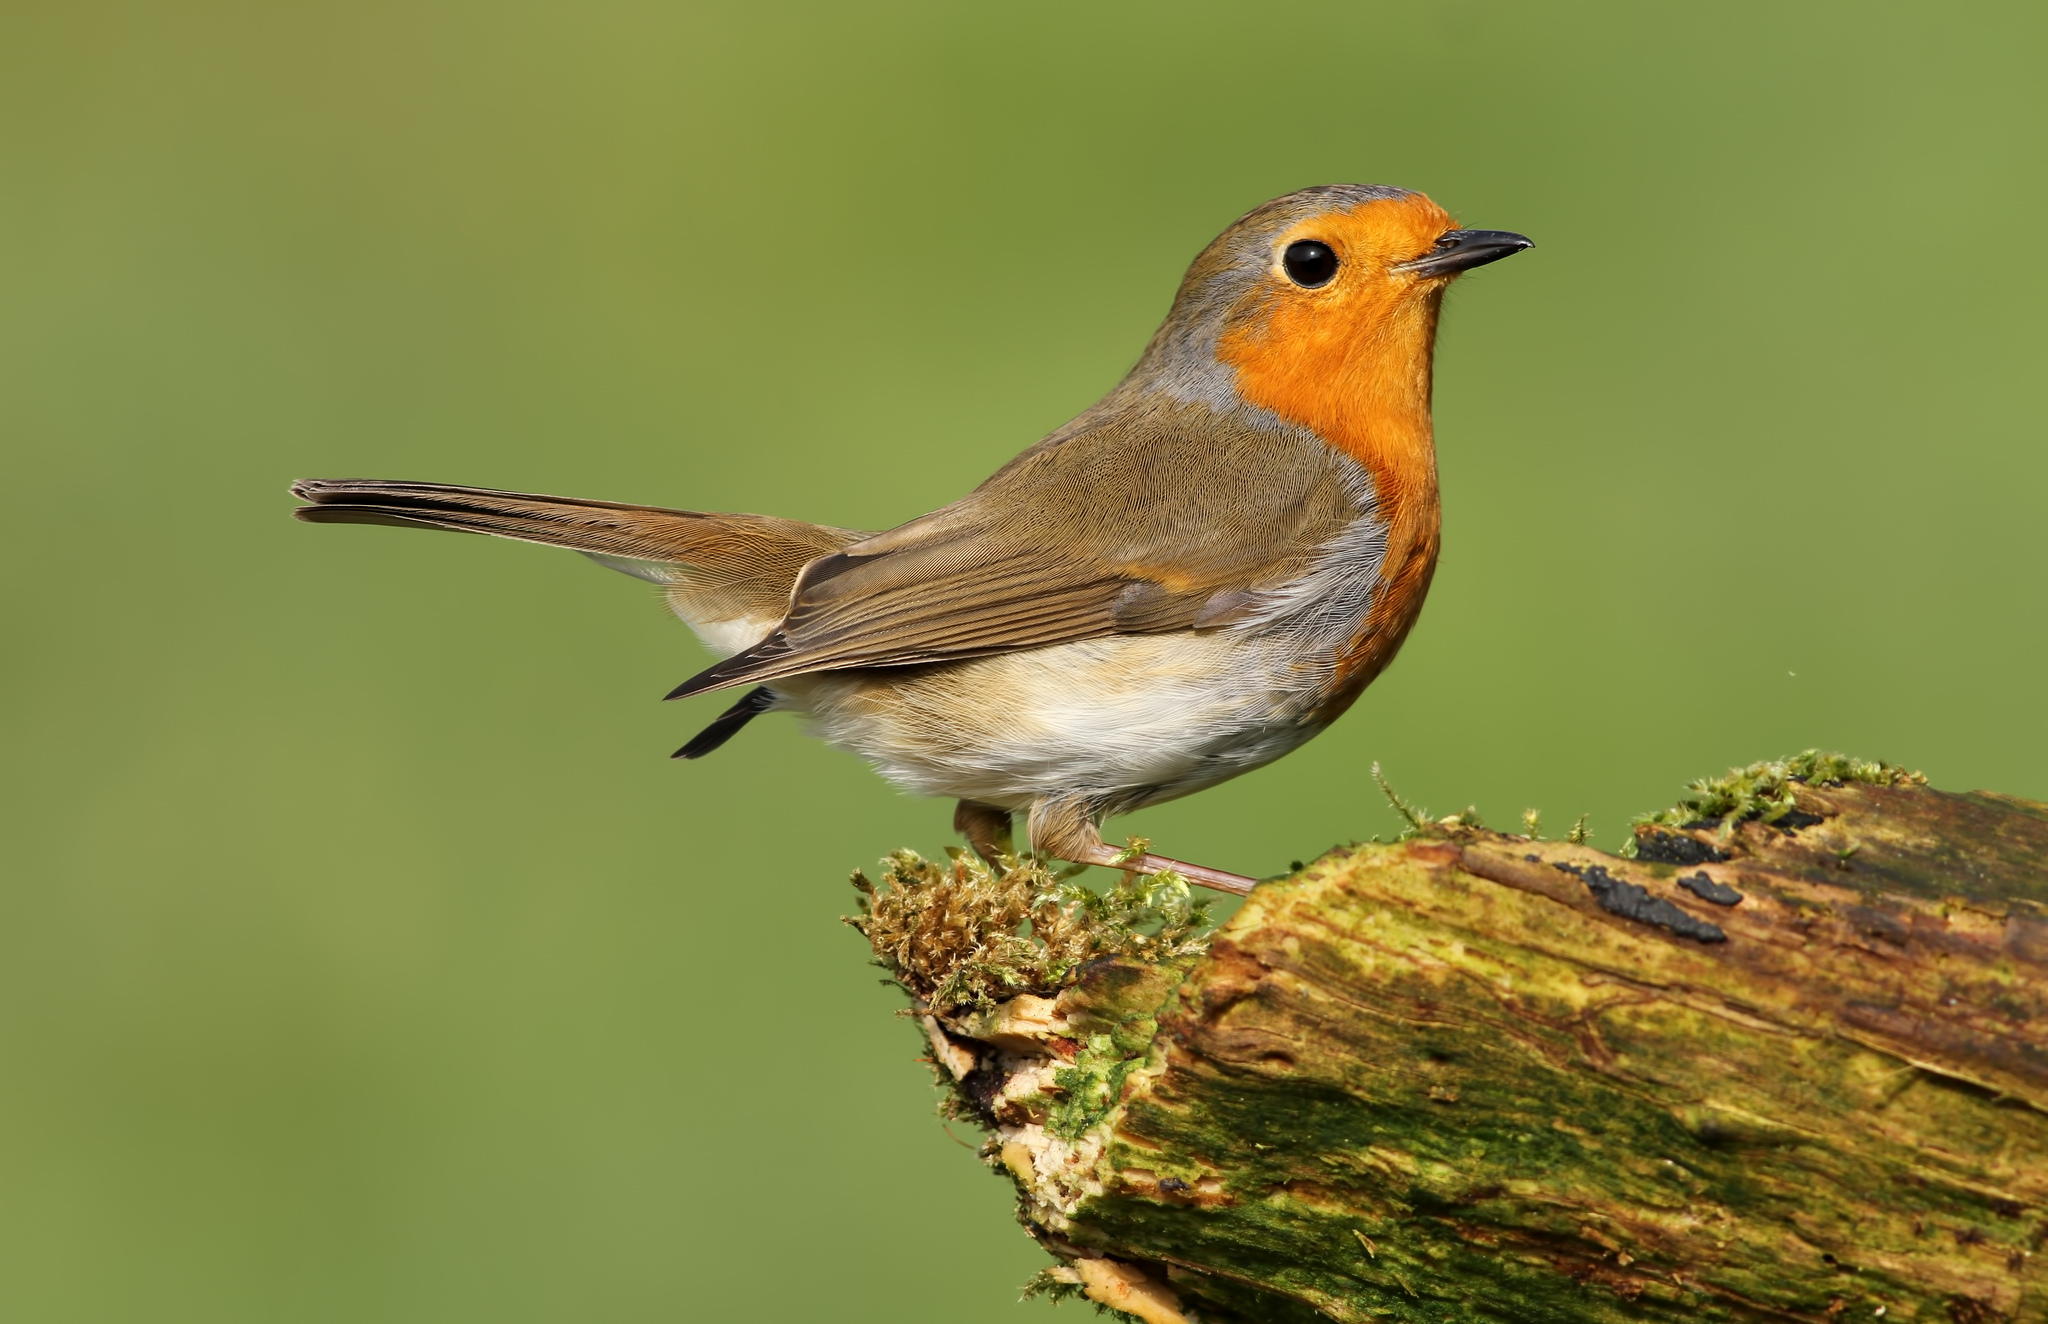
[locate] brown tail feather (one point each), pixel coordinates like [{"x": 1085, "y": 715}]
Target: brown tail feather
[{"x": 719, "y": 567}]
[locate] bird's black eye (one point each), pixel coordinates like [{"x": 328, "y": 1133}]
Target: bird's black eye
[{"x": 1309, "y": 263}]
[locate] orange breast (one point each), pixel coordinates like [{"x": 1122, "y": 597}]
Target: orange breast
[{"x": 1351, "y": 363}]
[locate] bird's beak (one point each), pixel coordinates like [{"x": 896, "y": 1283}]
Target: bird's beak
[{"x": 1462, "y": 250}]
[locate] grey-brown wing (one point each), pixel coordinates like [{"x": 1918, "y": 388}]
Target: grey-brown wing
[{"x": 1155, "y": 523}]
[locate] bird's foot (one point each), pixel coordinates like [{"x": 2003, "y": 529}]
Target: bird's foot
[
  {"x": 1065, "y": 828},
  {"x": 987, "y": 829},
  {"x": 1145, "y": 862}
]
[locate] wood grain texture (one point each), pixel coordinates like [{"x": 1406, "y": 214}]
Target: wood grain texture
[{"x": 1477, "y": 1077}]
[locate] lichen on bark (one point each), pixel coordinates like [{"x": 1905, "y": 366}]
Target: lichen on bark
[{"x": 1474, "y": 1076}]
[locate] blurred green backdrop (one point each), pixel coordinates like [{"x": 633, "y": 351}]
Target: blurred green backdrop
[{"x": 364, "y": 956}]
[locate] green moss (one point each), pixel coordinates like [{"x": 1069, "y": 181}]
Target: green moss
[
  {"x": 1763, "y": 792},
  {"x": 962, "y": 936},
  {"x": 1048, "y": 1285},
  {"x": 1418, "y": 819},
  {"x": 1092, "y": 1086}
]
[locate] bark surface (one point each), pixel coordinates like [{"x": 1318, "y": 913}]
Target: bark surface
[{"x": 1790, "y": 1070}]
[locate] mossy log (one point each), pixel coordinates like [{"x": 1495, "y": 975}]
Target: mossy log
[{"x": 1793, "y": 1069}]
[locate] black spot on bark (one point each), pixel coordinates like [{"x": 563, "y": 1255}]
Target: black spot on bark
[
  {"x": 1618, "y": 896},
  {"x": 1659, "y": 847},
  {"x": 1706, "y": 889}
]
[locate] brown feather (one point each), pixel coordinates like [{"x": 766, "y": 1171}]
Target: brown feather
[
  {"x": 718, "y": 566},
  {"x": 1137, "y": 520}
]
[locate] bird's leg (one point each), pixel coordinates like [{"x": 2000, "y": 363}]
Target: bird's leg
[
  {"x": 1065, "y": 830},
  {"x": 987, "y": 829}
]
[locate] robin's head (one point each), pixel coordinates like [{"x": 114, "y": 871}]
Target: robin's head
[{"x": 1319, "y": 304}]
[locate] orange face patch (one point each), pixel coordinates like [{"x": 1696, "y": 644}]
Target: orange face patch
[{"x": 1350, "y": 360}]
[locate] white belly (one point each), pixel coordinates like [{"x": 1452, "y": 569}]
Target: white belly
[{"x": 1129, "y": 720}]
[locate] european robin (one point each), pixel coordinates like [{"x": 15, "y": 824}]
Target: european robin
[{"x": 1186, "y": 582}]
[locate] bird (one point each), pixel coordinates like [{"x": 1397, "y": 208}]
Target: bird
[{"x": 1192, "y": 578}]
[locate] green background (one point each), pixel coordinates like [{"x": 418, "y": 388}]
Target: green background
[{"x": 362, "y": 954}]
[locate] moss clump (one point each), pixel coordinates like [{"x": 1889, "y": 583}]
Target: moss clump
[
  {"x": 1059, "y": 1283},
  {"x": 1048, "y": 1285},
  {"x": 1090, "y": 1087},
  {"x": 1764, "y": 791},
  {"x": 961, "y": 936}
]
